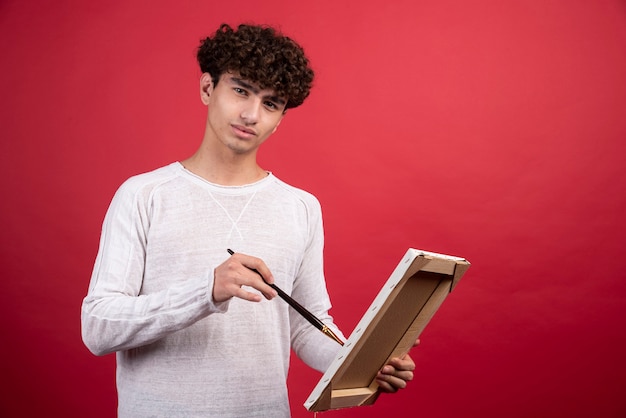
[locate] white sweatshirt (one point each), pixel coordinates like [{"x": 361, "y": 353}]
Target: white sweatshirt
[{"x": 179, "y": 354}]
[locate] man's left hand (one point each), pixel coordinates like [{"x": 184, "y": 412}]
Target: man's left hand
[{"x": 395, "y": 374}]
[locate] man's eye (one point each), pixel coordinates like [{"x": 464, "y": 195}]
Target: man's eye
[
  {"x": 239, "y": 90},
  {"x": 271, "y": 105}
]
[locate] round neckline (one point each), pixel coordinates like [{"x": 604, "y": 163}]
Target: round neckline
[{"x": 234, "y": 189}]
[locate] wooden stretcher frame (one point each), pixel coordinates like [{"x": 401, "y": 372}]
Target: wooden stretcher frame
[{"x": 406, "y": 303}]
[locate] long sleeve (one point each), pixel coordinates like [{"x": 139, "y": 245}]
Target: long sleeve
[
  {"x": 115, "y": 314},
  {"x": 309, "y": 344}
]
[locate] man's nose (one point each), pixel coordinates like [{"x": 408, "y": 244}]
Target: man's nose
[{"x": 251, "y": 111}]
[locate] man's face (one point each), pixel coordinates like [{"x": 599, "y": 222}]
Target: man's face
[{"x": 241, "y": 115}]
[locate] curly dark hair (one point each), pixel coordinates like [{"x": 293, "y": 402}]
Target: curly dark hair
[{"x": 261, "y": 55}]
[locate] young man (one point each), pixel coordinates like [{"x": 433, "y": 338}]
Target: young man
[{"x": 196, "y": 331}]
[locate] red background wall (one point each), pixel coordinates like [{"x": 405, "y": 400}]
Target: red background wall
[{"x": 490, "y": 130}]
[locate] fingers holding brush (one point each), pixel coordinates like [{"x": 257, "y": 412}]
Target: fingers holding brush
[{"x": 241, "y": 270}]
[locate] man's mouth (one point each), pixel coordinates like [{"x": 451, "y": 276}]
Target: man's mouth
[{"x": 244, "y": 130}]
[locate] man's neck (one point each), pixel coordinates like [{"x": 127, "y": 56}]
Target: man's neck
[{"x": 226, "y": 170}]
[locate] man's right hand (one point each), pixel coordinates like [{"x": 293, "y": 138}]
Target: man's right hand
[{"x": 238, "y": 271}]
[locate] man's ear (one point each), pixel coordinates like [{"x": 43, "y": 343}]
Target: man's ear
[{"x": 206, "y": 87}]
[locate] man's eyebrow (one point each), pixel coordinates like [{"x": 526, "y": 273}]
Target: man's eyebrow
[
  {"x": 246, "y": 85},
  {"x": 277, "y": 99},
  {"x": 254, "y": 89}
]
